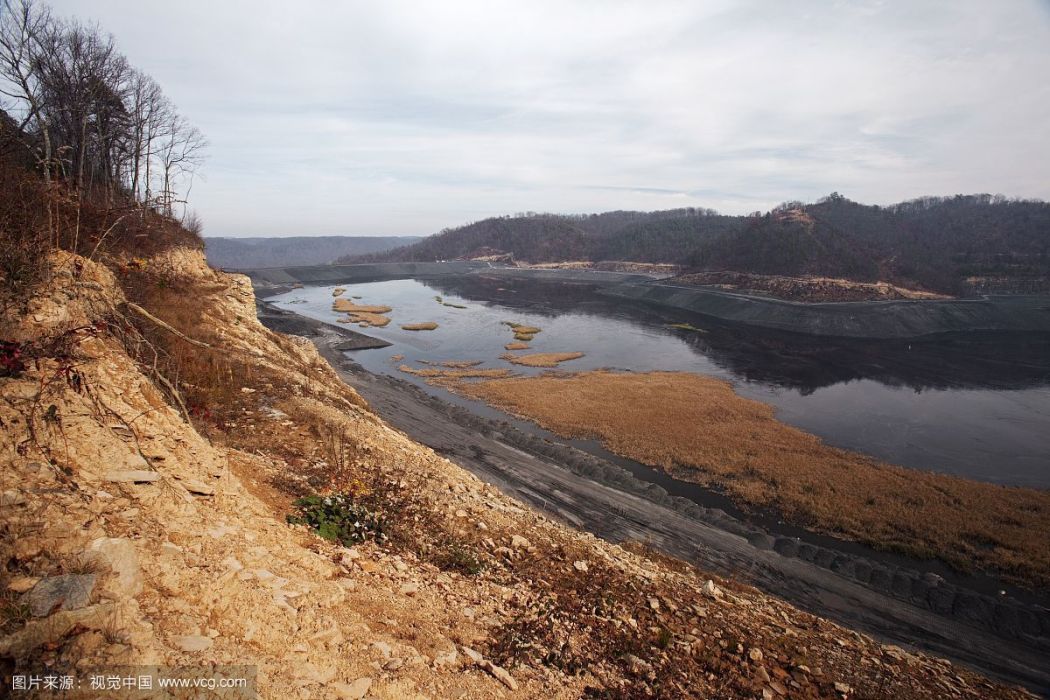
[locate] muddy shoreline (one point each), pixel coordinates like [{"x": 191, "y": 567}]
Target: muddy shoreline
[{"x": 1008, "y": 638}]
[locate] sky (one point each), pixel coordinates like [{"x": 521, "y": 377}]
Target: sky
[{"x": 359, "y": 117}]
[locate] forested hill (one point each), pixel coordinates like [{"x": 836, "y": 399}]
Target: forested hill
[
  {"x": 946, "y": 244},
  {"x": 240, "y": 253}
]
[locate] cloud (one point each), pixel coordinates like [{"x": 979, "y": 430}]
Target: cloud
[{"x": 404, "y": 117}]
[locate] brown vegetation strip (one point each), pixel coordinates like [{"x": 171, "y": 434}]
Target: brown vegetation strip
[
  {"x": 517, "y": 345},
  {"x": 345, "y": 305},
  {"x": 542, "y": 359},
  {"x": 700, "y": 430},
  {"x": 425, "y": 326},
  {"x": 522, "y": 332},
  {"x": 460, "y": 373},
  {"x": 366, "y": 318}
]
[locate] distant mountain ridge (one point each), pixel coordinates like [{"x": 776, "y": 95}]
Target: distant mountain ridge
[
  {"x": 945, "y": 244},
  {"x": 240, "y": 253}
]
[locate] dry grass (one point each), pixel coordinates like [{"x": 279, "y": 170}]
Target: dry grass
[
  {"x": 542, "y": 359},
  {"x": 425, "y": 326},
  {"x": 460, "y": 364},
  {"x": 516, "y": 346},
  {"x": 700, "y": 430},
  {"x": 338, "y": 291},
  {"x": 210, "y": 379},
  {"x": 367, "y": 318},
  {"x": 522, "y": 332},
  {"x": 347, "y": 306},
  {"x": 456, "y": 373}
]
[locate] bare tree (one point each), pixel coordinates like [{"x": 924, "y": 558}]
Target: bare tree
[
  {"x": 27, "y": 32},
  {"x": 93, "y": 120}
]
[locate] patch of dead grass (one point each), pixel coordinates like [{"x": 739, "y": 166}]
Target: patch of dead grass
[
  {"x": 700, "y": 430},
  {"x": 522, "y": 332},
  {"x": 425, "y": 326},
  {"x": 460, "y": 364},
  {"x": 347, "y": 306},
  {"x": 518, "y": 345},
  {"x": 365, "y": 318},
  {"x": 456, "y": 373},
  {"x": 542, "y": 359}
]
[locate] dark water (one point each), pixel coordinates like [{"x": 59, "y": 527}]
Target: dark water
[{"x": 976, "y": 405}]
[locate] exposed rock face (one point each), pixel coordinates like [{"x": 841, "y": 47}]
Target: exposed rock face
[{"x": 197, "y": 564}]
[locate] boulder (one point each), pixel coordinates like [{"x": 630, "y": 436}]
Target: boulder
[
  {"x": 118, "y": 559},
  {"x": 66, "y": 592}
]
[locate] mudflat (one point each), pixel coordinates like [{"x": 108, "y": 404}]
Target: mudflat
[{"x": 698, "y": 429}]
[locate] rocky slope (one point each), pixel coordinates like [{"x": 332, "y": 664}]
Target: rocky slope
[{"x": 142, "y": 528}]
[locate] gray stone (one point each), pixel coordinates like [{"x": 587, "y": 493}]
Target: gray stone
[
  {"x": 843, "y": 566},
  {"x": 881, "y": 578},
  {"x": 941, "y": 598},
  {"x": 862, "y": 571},
  {"x": 902, "y": 584},
  {"x": 824, "y": 558},
  {"x": 760, "y": 540},
  {"x": 67, "y": 592},
  {"x": 786, "y": 546},
  {"x": 973, "y": 607}
]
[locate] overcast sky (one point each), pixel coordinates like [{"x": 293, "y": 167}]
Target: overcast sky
[{"x": 387, "y": 117}]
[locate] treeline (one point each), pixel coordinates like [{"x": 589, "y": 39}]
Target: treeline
[
  {"x": 87, "y": 117},
  {"x": 947, "y": 244}
]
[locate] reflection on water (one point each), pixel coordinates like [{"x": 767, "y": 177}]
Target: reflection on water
[{"x": 977, "y": 405}]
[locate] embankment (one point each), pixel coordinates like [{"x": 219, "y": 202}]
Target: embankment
[{"x": 875, "y": 319}]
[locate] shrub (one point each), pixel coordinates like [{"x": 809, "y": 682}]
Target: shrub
[
  {"x": 338, "y": 518},
  {"x": 458, "y": 557}
]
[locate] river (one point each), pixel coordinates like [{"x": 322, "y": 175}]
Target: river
[{"x": 975, "y": 405}]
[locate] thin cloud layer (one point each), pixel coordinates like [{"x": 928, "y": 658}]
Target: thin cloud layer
[{"x": 406, "y": 117}]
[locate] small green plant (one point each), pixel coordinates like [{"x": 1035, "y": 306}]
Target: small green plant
[
  {"x": 339, "y": 519},
  {"x": 460, "y": 558}
]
